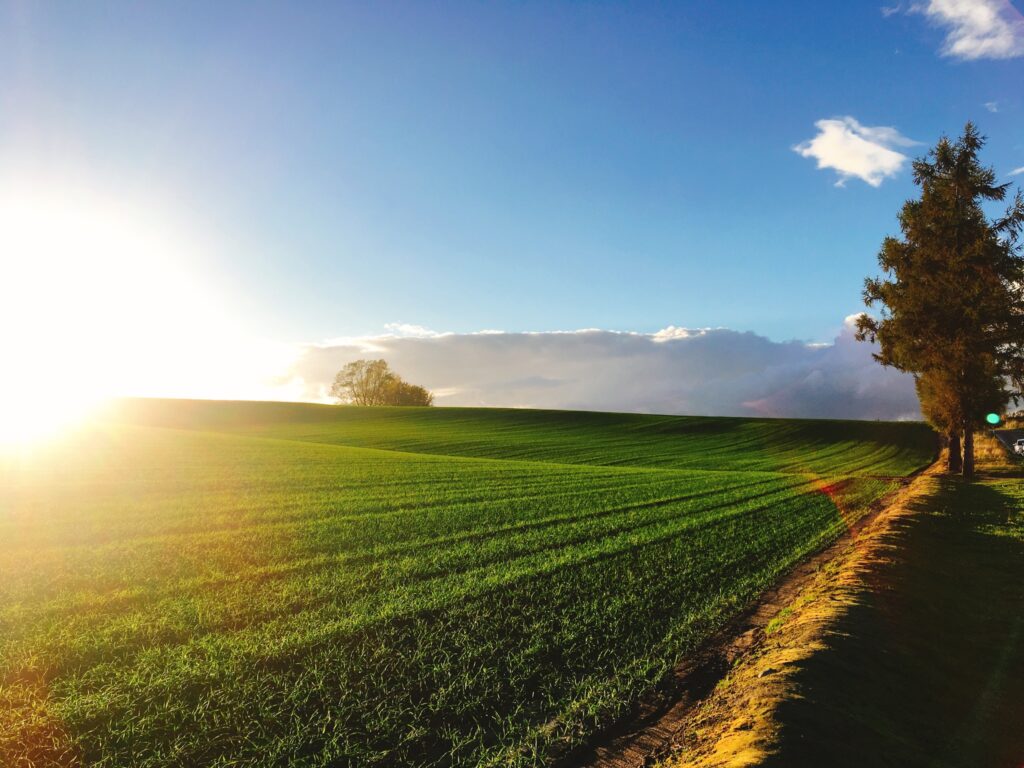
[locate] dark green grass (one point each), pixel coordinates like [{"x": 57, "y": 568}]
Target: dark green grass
[
  {"x": 217, "y": 596},
  {"x": 828, "y": 448},
  {"x": 927, "y": 668}
]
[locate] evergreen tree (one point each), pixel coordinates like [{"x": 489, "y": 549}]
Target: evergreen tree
[{"x": 952, "y": 298}]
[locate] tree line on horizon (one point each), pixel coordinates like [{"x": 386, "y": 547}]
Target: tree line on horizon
[{"x": 952, "y": 295}]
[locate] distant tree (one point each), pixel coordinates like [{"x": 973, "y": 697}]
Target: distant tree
[
  {"x": 362, "y": 382},
  {"x": 372, "y": 382},
  {"x": 400, "y": 392},
  {"x": 952, "y": 300}
]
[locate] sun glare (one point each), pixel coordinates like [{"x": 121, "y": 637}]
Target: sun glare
[{"x": 97, "y": 299}]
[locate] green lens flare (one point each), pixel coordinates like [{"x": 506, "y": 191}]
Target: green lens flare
[{"x": 992, "y": 418}]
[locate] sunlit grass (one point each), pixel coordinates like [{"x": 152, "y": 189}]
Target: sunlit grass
[{"x": 191, "y": 596}]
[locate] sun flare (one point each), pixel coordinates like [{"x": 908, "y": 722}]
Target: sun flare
[{"x": 97, "y": 299}]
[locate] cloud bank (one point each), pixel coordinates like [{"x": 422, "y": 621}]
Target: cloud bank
[
  {"x": 977, "y": 29},
  {"x": 856, "y": 151},
  {"x": 715, "y": 372}
]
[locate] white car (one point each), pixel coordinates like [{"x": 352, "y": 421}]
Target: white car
[{"x": 1018, "y": 447}]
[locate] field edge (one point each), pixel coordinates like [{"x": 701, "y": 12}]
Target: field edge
[{"x": 716, "y": 709}]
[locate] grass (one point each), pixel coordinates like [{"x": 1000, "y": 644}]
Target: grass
[
  {"x": 906, "y": 650},
  {"x": 827, "y": 447},
  {"x": 930, "y": 673},
  {"x": 236, "y": 583}
]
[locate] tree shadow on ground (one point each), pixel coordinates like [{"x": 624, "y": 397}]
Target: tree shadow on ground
[{"x": 927, "y": 668}]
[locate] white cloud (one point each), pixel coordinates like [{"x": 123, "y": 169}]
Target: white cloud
[
  {"x": 889, "y": 10},
  {"x": 411, "y": 330},
  {"x": 676, "y": 370},
  {"x": 855, "y": 150},
  {"x": 1016, "y": 171},
  {"x": 992, "y": 106},
  {"x": 978, "y": 29},
  {"x": 673, "y": 332}
]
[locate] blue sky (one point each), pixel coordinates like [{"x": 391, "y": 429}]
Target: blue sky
[{"x": 517, "y": 166}]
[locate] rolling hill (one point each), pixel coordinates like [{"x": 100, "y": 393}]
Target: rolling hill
[{"x": 193, "y": 582}]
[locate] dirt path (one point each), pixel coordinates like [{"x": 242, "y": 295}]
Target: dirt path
[{"x": 657, "y": 726}]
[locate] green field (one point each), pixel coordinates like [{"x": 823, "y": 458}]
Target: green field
[{"x": 197, "y": 583}]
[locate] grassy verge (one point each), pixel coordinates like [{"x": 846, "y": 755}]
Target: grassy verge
[{"x": 907, "y": 651}]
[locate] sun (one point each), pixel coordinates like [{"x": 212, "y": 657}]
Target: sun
[{"x": 97, "y": 299}]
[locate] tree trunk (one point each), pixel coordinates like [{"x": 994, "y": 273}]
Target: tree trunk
[
  {"x": 953, "y": 462},
  {"x": 968, "y": 451}
]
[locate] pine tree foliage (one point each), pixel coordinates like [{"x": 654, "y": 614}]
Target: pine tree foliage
[{"x": 952, "y": 293}]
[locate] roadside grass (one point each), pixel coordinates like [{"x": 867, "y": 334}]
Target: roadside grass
[
  {"x": 910, "y": 652},
  {"x": 930, "y": 670},
  {"x": 202, "y": 597}
]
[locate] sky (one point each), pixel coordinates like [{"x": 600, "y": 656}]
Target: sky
[{"x": 226, "y": 199}]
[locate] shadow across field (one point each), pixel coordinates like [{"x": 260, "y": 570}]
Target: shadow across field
[{"x": 927, "y": 667}]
